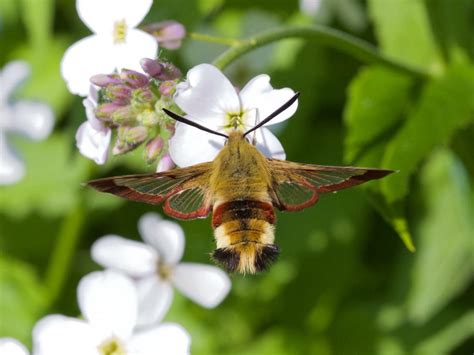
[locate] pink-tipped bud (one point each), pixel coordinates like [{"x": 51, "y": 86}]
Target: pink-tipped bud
[
  {"x": 153, "y": 149},
  {"x": 128, "y": 138},
  {"x": 143, "y": 96},
  {"x": 168, "y": 72},
  {"x": 165, "y": 164},
  {"x": 169, "y": 34},
  {"x": 106, "y": 110},
  {"x": 136, "y": 135},
  {"x": 119, "y": 93},
  {"x": 133, "y": 78},
  {"x": 104, "y": 80},
  {"x": 148, "y": 118},
  {"x": 123, "y": 115},
  {"x": 151, "y": 66},
  {"x": 167, "y": 88}
]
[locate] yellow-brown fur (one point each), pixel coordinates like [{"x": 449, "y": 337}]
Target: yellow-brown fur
[{"x": 243, "y": 215}]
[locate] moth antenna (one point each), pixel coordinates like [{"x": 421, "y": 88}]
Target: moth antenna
[
  {"x": 192, "y": 123},
  {"x": 257, "y": 120},
  {"x": 274, "y": 114}
]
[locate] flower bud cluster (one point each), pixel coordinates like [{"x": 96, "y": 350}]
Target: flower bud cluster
[{"x": 132, "y": 103}]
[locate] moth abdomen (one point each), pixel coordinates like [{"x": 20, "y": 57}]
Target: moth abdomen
[{"x": 244, "y": 232}]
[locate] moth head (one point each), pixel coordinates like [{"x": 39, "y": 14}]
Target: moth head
[{"x": 246, "y": 257}]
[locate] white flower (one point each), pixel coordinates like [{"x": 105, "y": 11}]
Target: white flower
[
  {"x": 108, "y": 303},
  {"x": 165, "y": 164},
  {"x": 156, "y": 268},
  {"x": 115, "y": 44},
  {"x": 10, "y": 346},
  {"x": 209, "y": 98},
  {"x": 93, "y": 137},
  {"x": 32, "y": 119}
]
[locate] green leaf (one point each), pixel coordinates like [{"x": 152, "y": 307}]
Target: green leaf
[
  {"x": 22, "y": 299},
  {"x": 443, "y": 265},
  {"x": 449, "y": 337},
  {"x": 403, "y": 31},
  {"x": 54, "y": 173},
  {"x": 452, "y": 24},
  {"x": 378, "y": 98},
  {"x": 445, "y": 106}
]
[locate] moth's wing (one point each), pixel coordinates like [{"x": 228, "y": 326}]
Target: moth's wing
[
  {"x": 185, "y": 191},
  {"x": 296, "y": 186}
]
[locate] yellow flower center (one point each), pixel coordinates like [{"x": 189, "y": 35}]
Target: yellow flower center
[
  {"x": 235, "y": 121},
  {"x": 164, "y": 271},
  {"x": 120, "y": 31},
  {"x": 111, "y": 347}
]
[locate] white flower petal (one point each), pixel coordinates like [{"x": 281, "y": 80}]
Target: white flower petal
[
  {"x": 154, "y": 300},
  {"x": 207, "y": 96},
  {"x": 12, "y": 75},
  {"x": 190, "y": 146},
  {"x": 204, "y": 284},
  {"x": 254, "y": 88},
  {"x": 168, "y": 338},
  {"x": 34, "y": 119},
  {"x": 165, "y": 164},
  {"x": 165, "y": 236},
  {"x": 108, "y": 300},
  {"x": 268, "y": 102},
  {"x": 10, "y": 346},
  {"x": 90, "y": 56},
  {"x": 12, "y": 168},
  {"x": 90, "y": 105},
  {"x": 268, "y": 144},
  {"x": 100, "y": 15},
  {"x": 59, "y": 335},
  {"x": 138, "y": 45},
  {"x": 93, "y": 143},
  {"x": 131, "y": 257}
]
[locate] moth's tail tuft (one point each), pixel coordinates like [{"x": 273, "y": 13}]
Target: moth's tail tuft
[{"x": 246, "y": 257}]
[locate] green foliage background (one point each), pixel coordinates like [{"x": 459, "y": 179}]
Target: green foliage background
[{"x": 345, "y": 283}]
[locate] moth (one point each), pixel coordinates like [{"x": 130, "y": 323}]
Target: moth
[{"x": 241, "y": 188}]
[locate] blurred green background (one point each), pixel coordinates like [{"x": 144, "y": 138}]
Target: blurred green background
[{"x": 345, "y": 283}]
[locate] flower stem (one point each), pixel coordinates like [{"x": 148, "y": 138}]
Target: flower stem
[
  {"x": 351, "y": 45},
  {"x": 66, "y": 242},
  {"x": 213, "y": 39}
]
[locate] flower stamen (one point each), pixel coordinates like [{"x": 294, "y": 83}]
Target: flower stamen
[
  {"x": 120, "y": 31},
  {"x": 111, "y": 347}
]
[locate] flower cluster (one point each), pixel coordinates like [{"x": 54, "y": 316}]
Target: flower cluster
[
  {"x": 122, "y": 307},
  {"x": 132, "y": 103}
]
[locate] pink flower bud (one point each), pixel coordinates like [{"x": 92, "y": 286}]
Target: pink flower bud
[
  {"x": 106, "y": 110},
  {"x": 143, "y": 96},
  {"x": 123, "y": 115},
  {"x": 128, "y": 138},
  {"x": 168, "y": 72},
  {"x": 103, "y": 80},
  {"x": 151, "y": 67},
  {"x": 119, "y": 93},
  {"x": 133, "y": 78},
  {"x": 153, "y": 149},
  {"x": 169, "y": 34},
  {"x": 136, "y": 135},
  {"x": 167, "y": 88}
]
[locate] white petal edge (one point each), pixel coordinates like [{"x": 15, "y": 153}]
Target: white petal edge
[
  {"x": 33, "y": 119},
  {"x": 11, "y": 76},
  {"x": 190, "y": 146},
  {"x": 204, "y": 284},
  {"x": 128, "y": 256},
  {"x": 166, "y": 237},
  {"x": 207, "y": 96},
  {"x": 167, "y": 338},
  {"x": 11, "y": 346},
  {"x": 101, "y": 15},
  {"x": 93, "y": 143},
  {"x": 138, "y": 45},
  {"x": 12, "y": 168},
  {"x": 108, "y": 300},
  {"x": 268, "y": 102},
  {"x": 59, "y": 335},
  {"x": 165, "y": 164},
  {"x": 269, "y": 145},
  {"x": 154, "y": 300},
  {"x": 90, "y": 56}
]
